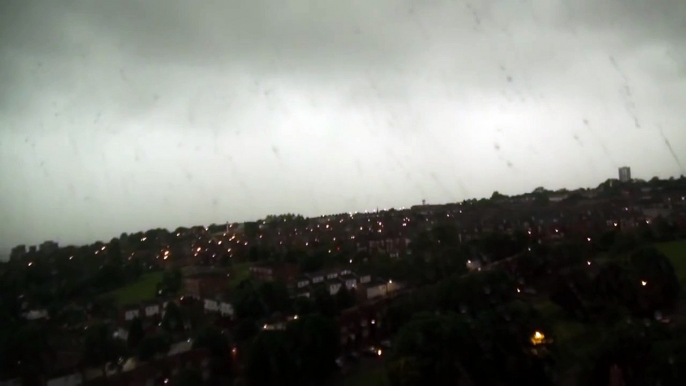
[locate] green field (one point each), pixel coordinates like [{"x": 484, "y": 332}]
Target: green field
[
  {"x": 676, "y": 252},
  {"x": 140, "y": 291},
  {"x": 239, "y": 272}
]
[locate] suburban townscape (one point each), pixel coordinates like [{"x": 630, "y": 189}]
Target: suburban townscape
[{"x": 547, "y": 287}]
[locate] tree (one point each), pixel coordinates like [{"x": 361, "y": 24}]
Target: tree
[
  {"x": 101, "y": 348},
  {"x": 219, "y": 346},
  {"x": 304, "y": 353},
  {"x": 275, "y": 296},
  {"x": 316, "y": 340},
  {"x": 136, "y": 333},
  {"x": 426, "y": 352},
  {"x": 324, "y": 303},
  {"x": 654, "y": 268},
  {"x": 496, "y": 195},
  {"x": 173, "y": 320},
  {"x": 172, "y": 281},
  {"x": 247, "y": 302},
  {"x": 311, "y": 262},
  {"x": 344, "y": 298},
  {"x": 188, "y": 377},
  {"x": 271, "y": 361},
  {"x": 26, "y": 352},
  {"x": 154, "y": 345}
]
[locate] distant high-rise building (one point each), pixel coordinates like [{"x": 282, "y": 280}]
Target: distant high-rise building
[{"x": 625, "y": 174}]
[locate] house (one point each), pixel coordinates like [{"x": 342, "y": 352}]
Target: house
[
  {"x": 158, "y": 371},
  {"x": 286, "y": 273},
  {"x": 226, "y": 309},
  {"x": 152, "y": 310},
  {"x": 349, "y": 280},
  {"x": 304, "y": 292},
  {"x": 316, "y": 277},
  {"x": 376, "y": 289},
  {"x": 36, "y": 314},
  {"x": 206, "y": 285},
  {"x": 211, "y": 305},
  {"x": 131, "y": 314},
  {"x": 303, "y": 282},
  {"x": 334, "y": 286}
]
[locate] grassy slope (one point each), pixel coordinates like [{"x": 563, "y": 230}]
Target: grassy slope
[
  {"x": 239, "y": 272},
  {"x": 676, "y": 252},
  {"x": 140, "y": 291}
]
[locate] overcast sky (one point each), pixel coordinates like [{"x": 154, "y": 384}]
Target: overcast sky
[{"x": 118, "y": 116}]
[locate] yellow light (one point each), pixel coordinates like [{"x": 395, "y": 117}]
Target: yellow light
[
  {"x": 643, "y": 283},
  {"x": 378, "y": 352},
  {"x": 537, "y": 338}
]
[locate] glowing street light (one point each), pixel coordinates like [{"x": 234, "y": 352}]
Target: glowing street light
[
  {"x": 537, "y": 338},
  {"x": 644, "y": 283}
]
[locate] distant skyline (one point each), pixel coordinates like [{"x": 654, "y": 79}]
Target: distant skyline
[{"x": 125, "y": 116}]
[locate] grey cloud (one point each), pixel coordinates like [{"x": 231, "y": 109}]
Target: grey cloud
[{"x": 117, "y": 116}]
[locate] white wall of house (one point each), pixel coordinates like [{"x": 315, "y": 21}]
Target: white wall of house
[
  {"x": 226, "y": 309},
  {"x": 152, "y": 310},
  {"x": 36, "y": 314},
  {"x": 121, "y": 333},
  {"x": 131, "y": 314},
  {"x": 67, "y": 380},
  {"x": 376, "y": 291},
  {"x": 211, "y": 305},
  {"x": 365, "y": 279},
  {"x": 334, "y": 288},
  {"x": 303, "y": 283}
]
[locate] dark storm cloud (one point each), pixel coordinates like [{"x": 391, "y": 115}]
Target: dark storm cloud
[{"x": 121, "y": 115}]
